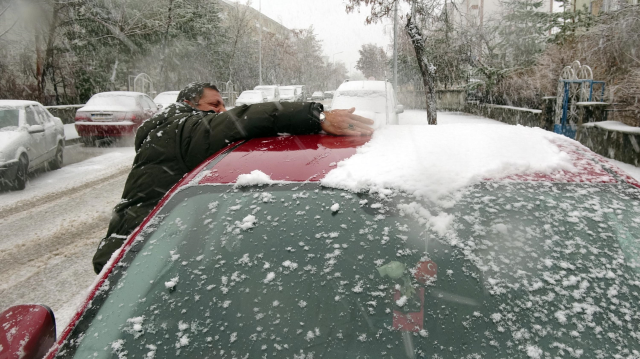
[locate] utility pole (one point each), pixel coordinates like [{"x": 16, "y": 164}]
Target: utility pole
[
  {"x": 260, "y": 39},
  {"x": 395, "y": 46}
]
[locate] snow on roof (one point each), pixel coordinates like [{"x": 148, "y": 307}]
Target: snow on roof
[
  {"x": 362, "y": 85},
  {"x": 118, "y": 93},
  {"x": 17, "y": 102},
  {"x": 434, "y": 162},
  {"x": 614, "y": 126}
]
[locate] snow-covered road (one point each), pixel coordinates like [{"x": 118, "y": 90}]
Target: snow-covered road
[{"x": 49, "y": 231}]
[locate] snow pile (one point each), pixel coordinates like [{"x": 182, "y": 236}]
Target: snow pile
[
  {"x": 254, "y": 178},
  {"x": 435, "y": 161}
]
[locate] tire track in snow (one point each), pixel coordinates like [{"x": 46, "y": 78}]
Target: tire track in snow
[
  {"x": 51, "y": 197},
  {"x": 46, "y": 251}
]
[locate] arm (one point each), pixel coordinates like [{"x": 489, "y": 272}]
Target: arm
[{"x": 204, "y": 136}]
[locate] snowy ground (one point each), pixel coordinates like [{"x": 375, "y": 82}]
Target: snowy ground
[{"x": 49, "y": 231}]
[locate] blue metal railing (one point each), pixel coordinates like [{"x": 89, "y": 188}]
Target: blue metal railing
[{"x": 564, "y": 127}]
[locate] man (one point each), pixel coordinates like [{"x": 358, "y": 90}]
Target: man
[{"x": 178, "y": 139}]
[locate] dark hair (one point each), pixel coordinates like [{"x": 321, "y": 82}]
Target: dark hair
[{"x": 193, "y": 91}]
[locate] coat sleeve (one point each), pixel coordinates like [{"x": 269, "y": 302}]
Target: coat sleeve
[{"x": 202, "y": 136}]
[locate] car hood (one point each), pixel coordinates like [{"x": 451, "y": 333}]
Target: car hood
[{"x": 9, "y": 142}]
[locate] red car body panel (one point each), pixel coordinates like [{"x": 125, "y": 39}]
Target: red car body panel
[
  {"x": 309, "y": 158},
  {"x": 117, "y": 129},
  {"x": 286, "y": 158},
  {"x": 28, "y": 331}
]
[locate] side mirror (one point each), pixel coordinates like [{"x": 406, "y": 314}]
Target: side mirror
[
  {"x": 159, "y": 106},
  {"x": 27, "y": 331},
  {"x": 36, "y": 129},
  {"x": 399, "y": 109}
]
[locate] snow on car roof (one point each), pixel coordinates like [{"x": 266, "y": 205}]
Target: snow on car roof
[
  {"x": 17, "y": 103},
  {"x": 362, "y": 85},
  {"x": 118, "y": 93},
  {"x": 433, "y": 162}
]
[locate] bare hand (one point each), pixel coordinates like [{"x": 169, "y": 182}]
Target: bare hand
[{"x": 345, "y": 123}]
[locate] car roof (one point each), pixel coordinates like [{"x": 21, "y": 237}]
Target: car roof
[
  {"x": 119, "y": 93},
  {"x": 309, "y": 158},
  {"x": 265, "y": 86},
  {"x": 362, "y": 85},
  {"x": 169, "y": 92},
  {"x": 17, "y": 103}
]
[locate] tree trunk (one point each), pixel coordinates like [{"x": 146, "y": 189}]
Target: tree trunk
[
  {"x": 164, "y": 47},
  {"x": 427, "y": 70}
]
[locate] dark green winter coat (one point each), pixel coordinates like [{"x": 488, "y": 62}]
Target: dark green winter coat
[{"x": 177, "y": 140}]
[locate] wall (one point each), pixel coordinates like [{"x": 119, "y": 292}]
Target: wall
[
  {"x": 508, "y": 114},
  {"x": 612, "y": 139}
]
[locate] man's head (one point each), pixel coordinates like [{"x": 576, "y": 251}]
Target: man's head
[{"x": 202, "y": 96}]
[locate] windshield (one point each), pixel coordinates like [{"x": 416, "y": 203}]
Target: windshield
[
  {"x": 9, "y": 118},
  {"x": 166, "y": 97},
  {"x": 287, "y": 92},
  {"x": 300, "y": 269},
  {"x": 109, "y": 101},
  {"x": 269, "y": 91},
  {"x": 363, "y": 100}
]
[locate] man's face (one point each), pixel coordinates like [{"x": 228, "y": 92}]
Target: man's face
[{"x": 210, "y": 101}]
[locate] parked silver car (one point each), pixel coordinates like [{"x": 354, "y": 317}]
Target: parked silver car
[{"x": 30, "y": 138}]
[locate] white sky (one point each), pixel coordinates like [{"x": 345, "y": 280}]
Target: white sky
[{"x": 341, "y": 34}]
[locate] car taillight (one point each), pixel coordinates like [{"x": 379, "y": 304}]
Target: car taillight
[{"x": 82, "y": 117}]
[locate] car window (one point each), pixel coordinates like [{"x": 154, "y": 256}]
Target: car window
[
  {"x": 293, "y": 269},
  {"x": 45, "y": 117},
  {"x": 152, "y": 105},
  {"x": 143, "y": 101},
  {"x": 9, "y": 118},
  {"x": 31, "y": 117}
]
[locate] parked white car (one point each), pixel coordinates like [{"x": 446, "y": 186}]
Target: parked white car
[
  {"x": 317, "y": 96},
  {"x": 372, "y": 99},
  {"x": 290, "y": 93},
  {"x": 250, "y": 97},
  {"x": 272, "y": 92},
  {"x": 30, "y": 138},
  {"x": 166, "y": 98}
]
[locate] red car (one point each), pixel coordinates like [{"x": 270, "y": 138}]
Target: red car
[
  {"x": 113, "y": 114},
  {"x": 246, "y": 257}
]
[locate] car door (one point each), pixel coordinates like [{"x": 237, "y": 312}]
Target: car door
[
  {"x": 36, "y": 144},
  {"x": 50, "y": 132}
]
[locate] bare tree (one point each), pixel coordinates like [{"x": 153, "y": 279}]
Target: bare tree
[{"x": 422, "y": 11}]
